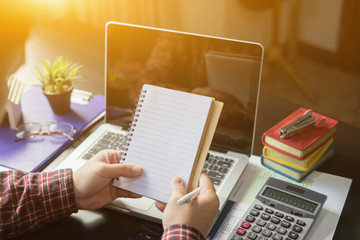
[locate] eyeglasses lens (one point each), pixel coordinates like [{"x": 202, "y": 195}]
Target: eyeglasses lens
[
  {"x": 27, "y": 129},
  {"x": 61, "y": 128}
]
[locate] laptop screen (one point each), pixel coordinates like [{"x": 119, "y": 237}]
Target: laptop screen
[{"x": 228, "y": 70}]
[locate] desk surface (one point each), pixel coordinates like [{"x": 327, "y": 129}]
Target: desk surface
[
  {"x": 345, "y": 161},
  {"x": 104, "y": 223}
]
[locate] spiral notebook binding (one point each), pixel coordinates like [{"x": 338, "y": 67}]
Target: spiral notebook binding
[{"x": 132, "y": 124}]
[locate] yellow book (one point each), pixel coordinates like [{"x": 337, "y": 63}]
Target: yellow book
[
  {"x": 302, "y": 165},
  {"x": 292, "y": 173}
]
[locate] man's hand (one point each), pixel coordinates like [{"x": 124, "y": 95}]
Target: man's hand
[
  {"x": 93, "y": 182},
  {"x": 200, "y": 212}
]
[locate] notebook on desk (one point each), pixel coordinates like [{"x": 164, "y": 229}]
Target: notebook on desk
[
  {"x": 137, "y": 55},
  {"x": 32, "y": 155}
]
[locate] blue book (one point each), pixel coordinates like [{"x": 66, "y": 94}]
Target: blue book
[
  {"x": 33, "y": 155},
  {"x": 293, "y": 173}
]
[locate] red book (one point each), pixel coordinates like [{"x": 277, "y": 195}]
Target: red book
[{"x": 302, "y": 145}]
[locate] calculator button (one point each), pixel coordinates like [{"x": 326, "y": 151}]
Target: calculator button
[
  {"x": 279, "y": 214},
  {"x": 262, "y": 238},
  {"x": 293, "y": 235},
  {"x": 271, "y": 226},
  {"x": 281, "y": 230},
  {"x": 241, "y": 231},
  {"x": 250, "y": 218},
  {"x": 265, "y": 216},
  {"x": 252, "y": 236},
  {"x": 266, "y": 233},
  {"x": 285, "y": 224},
  {"x": 258, "y": 207},
  {"x": 277, "y": 237},
  {"x": 275, "y": 220},
  {"x": 301, "y": 223},
  {"x": 260, "y": 222},
  {"x": 254, "y": 212},
  {"x": 268, "y": 210},
  {"x": 245, "y": 225},
  {"x": 290, "y": 219},
  {"x": 237, "y": 237},
  {"x": 256, "y": 229},
  {"x": 297, "y": 228}
]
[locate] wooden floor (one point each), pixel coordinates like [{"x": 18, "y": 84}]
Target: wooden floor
[{"x": 337, "y": 92}]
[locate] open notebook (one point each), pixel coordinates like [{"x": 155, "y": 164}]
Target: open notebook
[{"x": 170, "y": 135}]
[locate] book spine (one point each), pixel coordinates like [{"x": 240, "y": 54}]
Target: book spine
[
  {"x": 132, "y": 124},
  {"x": 284, "y": 159},
  {"x": 279, "y": 172},
  {"x": 302, "y": 157},
  {"x": 300, "y": 176}
]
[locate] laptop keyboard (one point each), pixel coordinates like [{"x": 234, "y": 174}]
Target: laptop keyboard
[
  {"x": 216, "y": 167},
  {"x": 110, "y": 140}
]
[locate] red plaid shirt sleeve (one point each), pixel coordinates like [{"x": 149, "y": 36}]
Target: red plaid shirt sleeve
[
  {"x": 30, "y": 200},
  {"x": 182, "y": 232}
]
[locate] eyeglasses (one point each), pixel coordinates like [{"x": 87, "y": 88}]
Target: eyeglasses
[{"x": 33, "y": 129}]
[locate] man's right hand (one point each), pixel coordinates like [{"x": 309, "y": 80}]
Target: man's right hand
[{"x": 199, "y": 213}]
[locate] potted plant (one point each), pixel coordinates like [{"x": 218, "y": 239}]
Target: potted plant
[{"x": 58, "y": 82}]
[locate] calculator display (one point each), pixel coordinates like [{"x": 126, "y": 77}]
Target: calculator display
[{"x": 290, "y": 199}]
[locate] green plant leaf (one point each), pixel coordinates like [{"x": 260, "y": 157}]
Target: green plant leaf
[{"x": 58, "y": 76}]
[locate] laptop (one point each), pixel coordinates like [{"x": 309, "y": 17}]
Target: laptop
[{"x": 228, "y": 70}]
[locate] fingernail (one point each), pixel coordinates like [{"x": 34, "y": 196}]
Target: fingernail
[
  {"x": 136, "y": 169},
  {"x": 177, "y": 180}
]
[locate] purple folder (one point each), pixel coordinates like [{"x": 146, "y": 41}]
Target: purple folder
[{"x": 34, "y": 155}]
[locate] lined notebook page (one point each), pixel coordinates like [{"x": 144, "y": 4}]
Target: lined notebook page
[{"x": 165, "y": 140}]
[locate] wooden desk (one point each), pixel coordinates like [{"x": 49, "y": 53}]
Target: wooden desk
[
  {"x": 107, "y": 224},
  {"x": 345, "y": 162}
]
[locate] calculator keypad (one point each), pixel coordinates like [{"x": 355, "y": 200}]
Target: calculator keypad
[{"x": 261, "y": 222}]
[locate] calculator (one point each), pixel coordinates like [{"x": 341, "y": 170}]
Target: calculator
[{"x": 280, "y": 211}]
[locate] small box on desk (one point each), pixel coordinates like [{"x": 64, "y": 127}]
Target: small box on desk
[
  {"x": 11, "y": 115},
  {"x": 10, "y": 109}
]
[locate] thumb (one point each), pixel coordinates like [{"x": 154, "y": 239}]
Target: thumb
[
  {"x": 121, "y": 170},
  {"x": 177, "y": 187},
  {"x": 206, "y": 183}
]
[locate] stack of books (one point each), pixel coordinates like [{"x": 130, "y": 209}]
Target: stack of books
[{"x": 299, "y": 144}]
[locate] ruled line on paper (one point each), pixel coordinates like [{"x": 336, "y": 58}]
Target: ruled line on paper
[
  {"x": 165, "y": 140},
  {"x": 158, "y": 130},
  {"x": 169, "y": 161},
  {"x": 173, "y": 118},
  {"x": 151, "y": 146},
  {"x": 188, "y": 110}
]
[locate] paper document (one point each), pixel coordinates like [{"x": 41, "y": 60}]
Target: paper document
[{"x": 336, "y": 188}]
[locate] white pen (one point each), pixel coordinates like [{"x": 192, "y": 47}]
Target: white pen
[{"x": 188, "y": 196}]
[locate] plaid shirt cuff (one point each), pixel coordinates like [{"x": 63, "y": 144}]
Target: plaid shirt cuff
[
  {"x": 182, "y": 232},
  {"x": 30, "y": 200}
]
